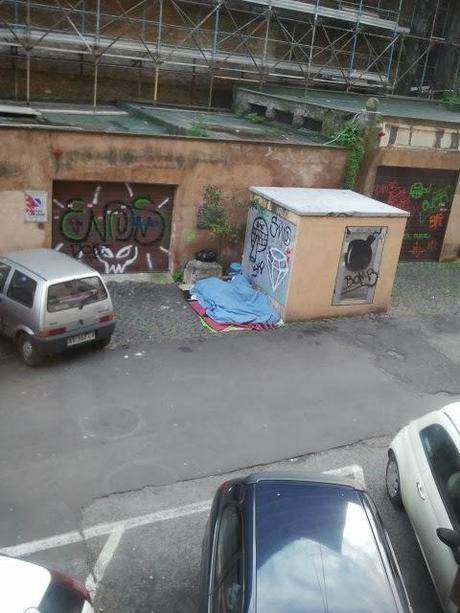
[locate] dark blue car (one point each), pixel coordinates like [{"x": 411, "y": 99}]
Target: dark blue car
[{"x": 284, "y": 543}]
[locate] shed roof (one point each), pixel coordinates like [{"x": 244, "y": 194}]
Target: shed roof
[{"x": 316, "y": 202}]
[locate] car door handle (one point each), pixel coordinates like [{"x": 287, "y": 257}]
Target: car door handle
[{"x": 421, "y": 491}]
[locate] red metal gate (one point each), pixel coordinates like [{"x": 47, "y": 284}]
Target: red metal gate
[
  {"x": 113, "y": 227},
  {"x": 427, "y": 195}
]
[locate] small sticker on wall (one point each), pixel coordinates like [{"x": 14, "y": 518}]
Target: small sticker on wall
[{"x": 35, "y": 206}]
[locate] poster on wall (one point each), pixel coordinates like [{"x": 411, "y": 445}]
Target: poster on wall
[
  {"x": 359, "y": 264},
  {"x": 268, "y": 250},
  {"x": 427, "y": 195},
  {"x": 35, "y": 206}
]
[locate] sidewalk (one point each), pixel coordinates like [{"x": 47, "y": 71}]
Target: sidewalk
[{"x": 423, "y": 292}]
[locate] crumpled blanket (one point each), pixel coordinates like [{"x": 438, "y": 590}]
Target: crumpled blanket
[{"x": 234, "y": 301}]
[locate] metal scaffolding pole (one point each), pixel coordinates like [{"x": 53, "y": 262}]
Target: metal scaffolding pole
[
  {"x": 355, "y": 42},
  {"x": 347, "y": 45},
  {"x": 158, "y": 47}
]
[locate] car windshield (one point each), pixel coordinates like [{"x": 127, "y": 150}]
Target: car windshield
[
  {"x": 316, "y": 552},
  {"x": 75, "y": 293}
]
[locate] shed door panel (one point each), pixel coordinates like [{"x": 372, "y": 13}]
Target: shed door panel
[
  {"x": 114, "y": 227},
  {"x": 427, "y": 195}
]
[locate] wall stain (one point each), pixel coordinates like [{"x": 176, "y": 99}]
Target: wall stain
[{"x": 8, "y": 170}]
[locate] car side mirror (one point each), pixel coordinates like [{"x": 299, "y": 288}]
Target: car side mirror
[{"x": 451, "y": 538}]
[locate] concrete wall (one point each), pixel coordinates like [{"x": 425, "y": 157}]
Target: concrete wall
[
  {"x": 430, "y": 159},
  {"x": 32, "y": 159},
  {"x": 316, "y": 258},
  {"x": 398, "y": 133}
]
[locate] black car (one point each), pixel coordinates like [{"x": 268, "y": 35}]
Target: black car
[{"x": 284, "y": 543}]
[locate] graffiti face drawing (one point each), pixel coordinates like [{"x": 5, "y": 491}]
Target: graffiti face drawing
[
  {"x": 259, "y": 237},
  {"x": 116, "y": 262}
]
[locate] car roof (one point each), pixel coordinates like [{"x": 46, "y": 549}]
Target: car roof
[
  {"x": 304, "y": 477},
  {"x": 452, "y": 412},
  {"x": 316, "y": 548},
  {"x": 48, "y": 263}
]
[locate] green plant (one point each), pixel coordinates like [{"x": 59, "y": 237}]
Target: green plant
[
  {"x": 251, "y": 203},
  {"x": 199, "y": 129},
  {"x": 212, "y": 211},
  {"x": 451, "y": 100},
  {"x": 254, "y": 118},
  {"x": 178, "y": 276},
  {"x": 349, "y": 136},
  {"x": 213, "y": 216}
]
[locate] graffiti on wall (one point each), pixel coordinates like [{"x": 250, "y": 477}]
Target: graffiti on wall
[
  {"x": 425, "y": 194},
  {"x": 114, "y": 227},
  {"x": 268, "y": 252},
  {"x": 359, "y": 265}
]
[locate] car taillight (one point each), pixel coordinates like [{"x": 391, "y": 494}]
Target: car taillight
[
  {"x": 51, "y": 332},
  {"x": 70, "y": 584},
  {"x": 105, "y": 318}
]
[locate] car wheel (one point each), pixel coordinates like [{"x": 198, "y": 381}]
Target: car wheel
[
  {"x": 101, "y": 344},
  {"x": 393, "y": 482},
  {"x": 27, "y": 351}
]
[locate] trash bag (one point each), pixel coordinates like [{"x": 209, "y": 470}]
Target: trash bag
[{"x": 206, "y": 255}]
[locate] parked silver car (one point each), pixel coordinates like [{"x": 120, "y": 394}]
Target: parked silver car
[
  {"x": 50, "y": 303},
  {"x": 423, "y": 475}
]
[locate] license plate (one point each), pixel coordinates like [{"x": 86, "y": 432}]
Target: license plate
[{"x": 81, "y": 338}]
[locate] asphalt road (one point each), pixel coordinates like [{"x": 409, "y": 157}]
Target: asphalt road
[
  {"x": 90, "y": 427},
  {"x": 148, "y": 556}
]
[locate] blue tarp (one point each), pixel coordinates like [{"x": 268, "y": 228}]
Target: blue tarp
[{"x": 234, "y": 301}]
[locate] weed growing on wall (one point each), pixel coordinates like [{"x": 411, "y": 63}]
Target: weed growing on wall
[
  {"x": 213, "y": 216},
  {"x": 198, "y": 129},
  {"x": 349, "y": 136},
  {"x": 451, "y": 100},
  {"x": 254, "y": 118}
]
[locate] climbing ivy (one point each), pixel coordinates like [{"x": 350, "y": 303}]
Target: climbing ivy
[
  {"x": 349, "y": 136},
  {"x": 451, "y": 100}
]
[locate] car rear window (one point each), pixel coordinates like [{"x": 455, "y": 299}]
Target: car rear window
[
  {"x": 316, "y": 552},
  {"x": 75, "y": 293}
]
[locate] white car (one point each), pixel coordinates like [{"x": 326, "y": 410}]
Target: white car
[
  {"x": 30, "y": 588},
  {"x": 423, "y": 475}
]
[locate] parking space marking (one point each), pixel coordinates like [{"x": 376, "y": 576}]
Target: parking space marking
[
  {"x": 103, "y": 560},
  {"x": 69, "y": 538},
  {"x": 354, "y": 471}
]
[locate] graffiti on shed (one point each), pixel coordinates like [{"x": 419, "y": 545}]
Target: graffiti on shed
[
  {"x": 268, "y": 252},
  {"x": 113, "y": 227},
  {"x": 427, "y": 195}
]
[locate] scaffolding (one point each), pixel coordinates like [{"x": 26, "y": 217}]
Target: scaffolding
[{"x": 344, "y": 44}]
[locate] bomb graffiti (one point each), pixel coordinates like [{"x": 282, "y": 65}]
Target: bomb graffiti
[
  {"x": 268, "y": 250},
  {"x": 428, "y": 201},
  {"x": 359, "y": 264},
  {"x": 114, "y": 227}
]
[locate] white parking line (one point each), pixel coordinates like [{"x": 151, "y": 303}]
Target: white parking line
[
  {"x": 353, "y": 471},
  {"x": 70, "y": 538},
  {"x": 106, "y": 555}
]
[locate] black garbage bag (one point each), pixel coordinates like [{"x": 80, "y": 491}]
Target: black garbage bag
[{"x": 206, "y": 255}]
